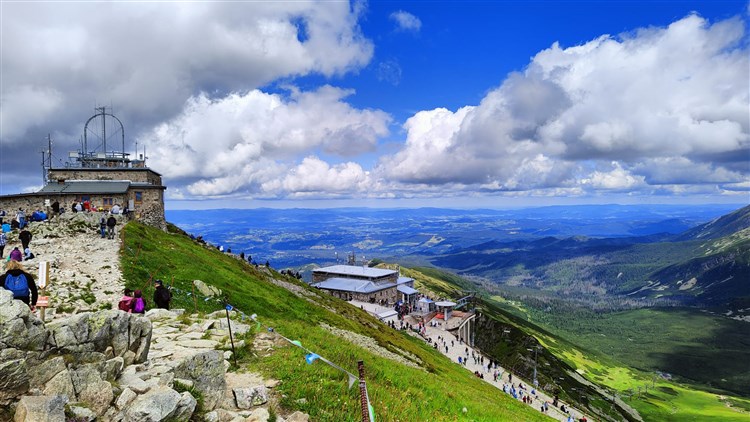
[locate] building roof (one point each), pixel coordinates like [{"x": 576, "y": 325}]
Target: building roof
[
  {"x": 87, "y": 186},
  {"x": 386, "y": 314},
  {"x": 425, "y": 300},
  {"x": 446, "y": 303},
  {"x": 352, "y": 285},
  {"x": 402, "y": 280},
  {"x": 354, "y": 270},
  {"x": 407, "y": 290}
]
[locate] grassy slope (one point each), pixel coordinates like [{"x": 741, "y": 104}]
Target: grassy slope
[
  {"x": 397, "y": 392},
  {"x": 654, "y": 334}
]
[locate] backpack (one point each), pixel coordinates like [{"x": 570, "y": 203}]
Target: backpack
[
  {"x": 140, "y": 305},
  {"x": 124, "y": 304},
  {"x": 17, "y": 284}
]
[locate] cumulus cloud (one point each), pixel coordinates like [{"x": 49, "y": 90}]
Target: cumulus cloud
[
  {"x": 147, "y": 59},
  {"x": 654, "y": 107},
  {"x": 405, "y": 21},
  {"x": 246, "y": 143}
]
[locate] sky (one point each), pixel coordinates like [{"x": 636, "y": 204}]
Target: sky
[{"x": 388, "y": 103}]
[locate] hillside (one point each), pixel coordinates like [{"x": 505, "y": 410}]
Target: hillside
[
  {"x": 429, "y": 388},
  {"x": 705, "y": 266}
]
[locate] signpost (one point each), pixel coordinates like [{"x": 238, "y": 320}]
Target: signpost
[{"x": 42, "y": 301}]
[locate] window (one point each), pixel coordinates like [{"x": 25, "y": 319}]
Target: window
[
  {"x": 138, "y": 197},
  {"x": 107, "y": 202}
]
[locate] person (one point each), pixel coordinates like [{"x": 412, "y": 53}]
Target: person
[
  {"x": 20, "y": 283},
  {"x": 126, "y": 301},
  {"x": 25, "y": 238},
  {"x": 139, "y": 305},
  {"x": 3, "y": 241},
  {"x": 79, "y": 207},
  {"x": 74, "y": 206},
  {"x": 15, "y": 255},
  {"x": 27, "y": 254},
  {"x": 103, "y": 226},
  {"x": 162, "y": 296},
  {"x": 115, "y": 209},
  {"x": 111, "y": 223},
  {"x": 55, "y": 208},
  {"x": 2, "y": 216},
  {"x": 21, "y": 218}
]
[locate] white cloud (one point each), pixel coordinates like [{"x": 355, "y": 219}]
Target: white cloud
[
  {"x": 667, "y": 105},
  {"x": 147, "y": 59},
  {"x": 314, "y": 175},
  {"x": 238, "y": 144},
  {"x": 405, "y": 21}
]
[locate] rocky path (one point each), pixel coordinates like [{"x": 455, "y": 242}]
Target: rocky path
[{"x": 186, "y": 356}]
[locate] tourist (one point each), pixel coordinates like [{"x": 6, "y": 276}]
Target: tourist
[
  {"x": 25, "y": 238},
  {"x": 111, "y": 223},
  {"x": 3, "y": 241},
  {"x": 55, "y": 208},
  {"x": 162, "y": 296},
  {"x": 15, "y": 255},
  {"x": 21, "y": 218},
  {"x": 126, "y": 301},
  {"x": 139, "y": 304},
  {"x": 2, "y": 216},
  {"x": 20, "y": 283},
  {"x": 103, "y": 226},
  {"x": 115, "y": 209},
  {"x": 27, "y": 254}
]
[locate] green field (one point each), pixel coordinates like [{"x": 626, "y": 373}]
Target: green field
[
  {"x": 438, "y": 391},
  {"x": 707, "y": 355}
]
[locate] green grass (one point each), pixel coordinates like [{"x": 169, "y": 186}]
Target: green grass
[{"x": 438, "y": 392}]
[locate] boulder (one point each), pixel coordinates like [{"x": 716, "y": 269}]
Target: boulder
[
  {"x": 40, "y": 373},
  {"x": 205, "y": 289},
  {"x": 185, "y": 407},
  {"x": 91, "y": 389},
  {"x": 298, "y": 417},
  {"x": 41, "y": 409},
  {"x": 156, "y": 405},
  {"x": 247, "y": 397},
  {"x": 259, "y": 415},
  {"x": 14, "y": 379},
  {"x": 125, "y": 398},
  {"x": 81, "y": 414},
  {"x": 113, "y": 368},
  {"x": 19, "y": 328},
  {"x": 61, "y": 385},
  {"x": 159, "y": 314},
  {"x": 206, "y": 370},
  {"x": 98, "y": 331}
]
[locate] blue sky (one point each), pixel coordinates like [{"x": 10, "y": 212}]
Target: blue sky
[{"x": 461, "y": 104}]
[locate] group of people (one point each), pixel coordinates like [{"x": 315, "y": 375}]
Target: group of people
[
  {"x": 17, "y": 254},
  {"x": 132, "y": 301},
  {"x": 107, "y": 226}
]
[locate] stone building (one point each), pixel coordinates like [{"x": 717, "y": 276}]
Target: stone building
[{"x": 103, "y": 178}]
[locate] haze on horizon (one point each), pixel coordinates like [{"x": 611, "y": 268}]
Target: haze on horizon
[{"x": 397, "y": 104}]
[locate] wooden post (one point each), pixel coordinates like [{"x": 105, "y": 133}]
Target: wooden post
[{"x": 364, "y": 400}]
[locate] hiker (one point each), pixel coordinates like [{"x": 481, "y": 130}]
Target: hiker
[
  {"x": 162, "y": 296},
  {"x": 27, "y": 254},
  {"x": 55, "y": 208},
  {"x": 21, "y": 218},
  {"x": 2, "y": 216},
  {"x": 3, "y": 241},
  {"x": 139, "y": 305},
  {"x": 103, "y": 226},
  {"x": 25, "y": 238},
  {"x": 15, "y": 255},
  {"x": 111, "y": 223},
  {"x": 115, "y": 209},
  {"x": 20, "y": 283},
  {"x": 126, "y": 301}
]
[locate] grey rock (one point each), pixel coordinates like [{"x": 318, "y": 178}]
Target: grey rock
[
  {"x": 40, "y": 373},
  {"x": 61, "y": 385},
  {"x": 206, "y": 370},
  {"x": 125, "y": 398},
  {"x": 41, "y": 409},
  {"x": 298, "y": 417},
  {"x": 156, "y": 405},
  {"x": 81, "y": 414},
  {"x": 212, "y": 416},
  {"x": 185, "y": 407},
  {"x": 91, "y": 389},
  {"x": 259, "y": 415},
  {"x": 247, "y": 397},
  {"x": 113, "y": 368},
  {"x": 159, "y": 314},
  {"x": 14, "y": 379},
  {"x": 19, "y": 328},
  {"x": 272, "y": 383},
  {"x": 205, "y": 289}
]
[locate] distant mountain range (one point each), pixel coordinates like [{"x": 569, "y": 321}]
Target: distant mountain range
[{"x": 707, "y": 265}]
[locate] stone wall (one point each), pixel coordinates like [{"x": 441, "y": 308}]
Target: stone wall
[{"x": 134, "y": 175}]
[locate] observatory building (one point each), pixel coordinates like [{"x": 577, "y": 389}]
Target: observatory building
[{"x": 102, "y": 177}]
